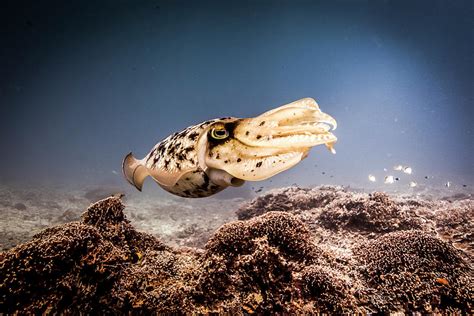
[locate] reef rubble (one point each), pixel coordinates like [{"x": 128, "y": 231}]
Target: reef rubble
[{"x": 293, "y": 250}]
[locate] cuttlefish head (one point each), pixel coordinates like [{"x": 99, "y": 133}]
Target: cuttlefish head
[{"x": 257, "y": 148}]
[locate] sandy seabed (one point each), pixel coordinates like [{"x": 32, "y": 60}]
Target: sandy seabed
[{"x": 290, "y": 251}]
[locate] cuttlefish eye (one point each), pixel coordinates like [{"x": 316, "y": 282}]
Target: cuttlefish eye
[{"x": 219, "y": 133}]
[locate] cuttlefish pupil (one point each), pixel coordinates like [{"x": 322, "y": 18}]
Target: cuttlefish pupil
[{"x": 208, "y": 157}]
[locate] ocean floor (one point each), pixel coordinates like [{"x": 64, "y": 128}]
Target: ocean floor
[
  {"x": 291, "y": 250},
  {"x": 25, "y": 212}
]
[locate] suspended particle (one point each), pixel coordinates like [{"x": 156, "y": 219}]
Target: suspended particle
[
  {"x": 398, "y": 168},
  {"x": 448, "y": 184},
  {"x": 407, "y": 170},
  {"x": 413, "y": 184},
  {"x": 389, "y": 180},
  {"x": 372, "y": 178}
]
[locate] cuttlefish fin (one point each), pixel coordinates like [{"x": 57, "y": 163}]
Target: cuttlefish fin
[{"x": 135, "y": 171}]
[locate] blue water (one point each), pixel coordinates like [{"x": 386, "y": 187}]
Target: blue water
[{"x": 84, "y": 83}]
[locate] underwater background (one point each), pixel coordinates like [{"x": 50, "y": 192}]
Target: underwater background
[{"x": 83, "y": 83}]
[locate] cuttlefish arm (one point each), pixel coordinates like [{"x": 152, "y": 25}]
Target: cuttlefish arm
[{"x": 225, "y": 152}]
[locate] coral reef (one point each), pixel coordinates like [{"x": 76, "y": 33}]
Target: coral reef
[
  {"x": 257, "y": 264},
  {"x": 303, "y": 251},
  {"x": 291, "y": 199},
  {"x": 73, "y": 264},
  {"x": 373, "y": 213},
  {"x": 412, "y": 270},
  {"x": 103, "y": 264}
]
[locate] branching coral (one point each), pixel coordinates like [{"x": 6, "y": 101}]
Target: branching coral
[
  {"x": 415, "y": 271},
  {"x": 291, "y": 199},
  {"x": 268, "y": 263},
  {"x": 372, "y": 213},
  {"x": 70, "y": 267}
]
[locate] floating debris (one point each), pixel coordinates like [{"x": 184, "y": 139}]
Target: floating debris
[
  {"x": 259, "y": 190},
  {"x": 407, "y": 170},
  {"x": 372, "y": 178},
  {"x": 389, "y": 180},
  {"x": 413, "y": 184},
  {"x": 385, "y": 169},
  {"x": 448, "y": 184},
  {"x": 114, "y": 172},
  {"x": 398, "y": 168}
]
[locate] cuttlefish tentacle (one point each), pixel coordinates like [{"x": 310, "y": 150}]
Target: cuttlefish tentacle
[{"x": 206, "y": 158}]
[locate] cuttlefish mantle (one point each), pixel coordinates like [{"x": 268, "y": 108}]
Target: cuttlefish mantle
[{"x": 206, "y": 158}]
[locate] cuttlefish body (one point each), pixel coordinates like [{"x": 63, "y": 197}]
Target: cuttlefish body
[{"x": 206, "y": 158}]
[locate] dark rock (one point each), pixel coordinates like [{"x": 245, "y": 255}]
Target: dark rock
[{"x": 20, "y": 206}]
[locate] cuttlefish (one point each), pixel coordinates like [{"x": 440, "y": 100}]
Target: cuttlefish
[{"x": 206, "y": 158}]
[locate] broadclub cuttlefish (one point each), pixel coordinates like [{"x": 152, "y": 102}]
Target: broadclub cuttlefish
[{"x": 208, "y": 157}]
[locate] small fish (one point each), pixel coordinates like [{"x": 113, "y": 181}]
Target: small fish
[
  {"x": 413, "y": 184},
  {"x": 442, "y": 281},
  {"x": 208, "y": 157},
  {"x": 372, "y": 178},
  {"x": 398, "y": 168},
  {"x": 389, "y": 180},
  {"x": 407, "y": 170}
]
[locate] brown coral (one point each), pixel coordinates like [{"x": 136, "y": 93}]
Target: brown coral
[
  {"x": 268, "y": 263},
  {"x": 373, "y": 213},
  {"x": 104, "y": 265},
  {"x": 292, "y": 199},
  {"x": 406, "y": 268},
  {"x": 258, "y": 258},
  {"x": 328, "y": 287},
  {"x": 70, "y": 267}
]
